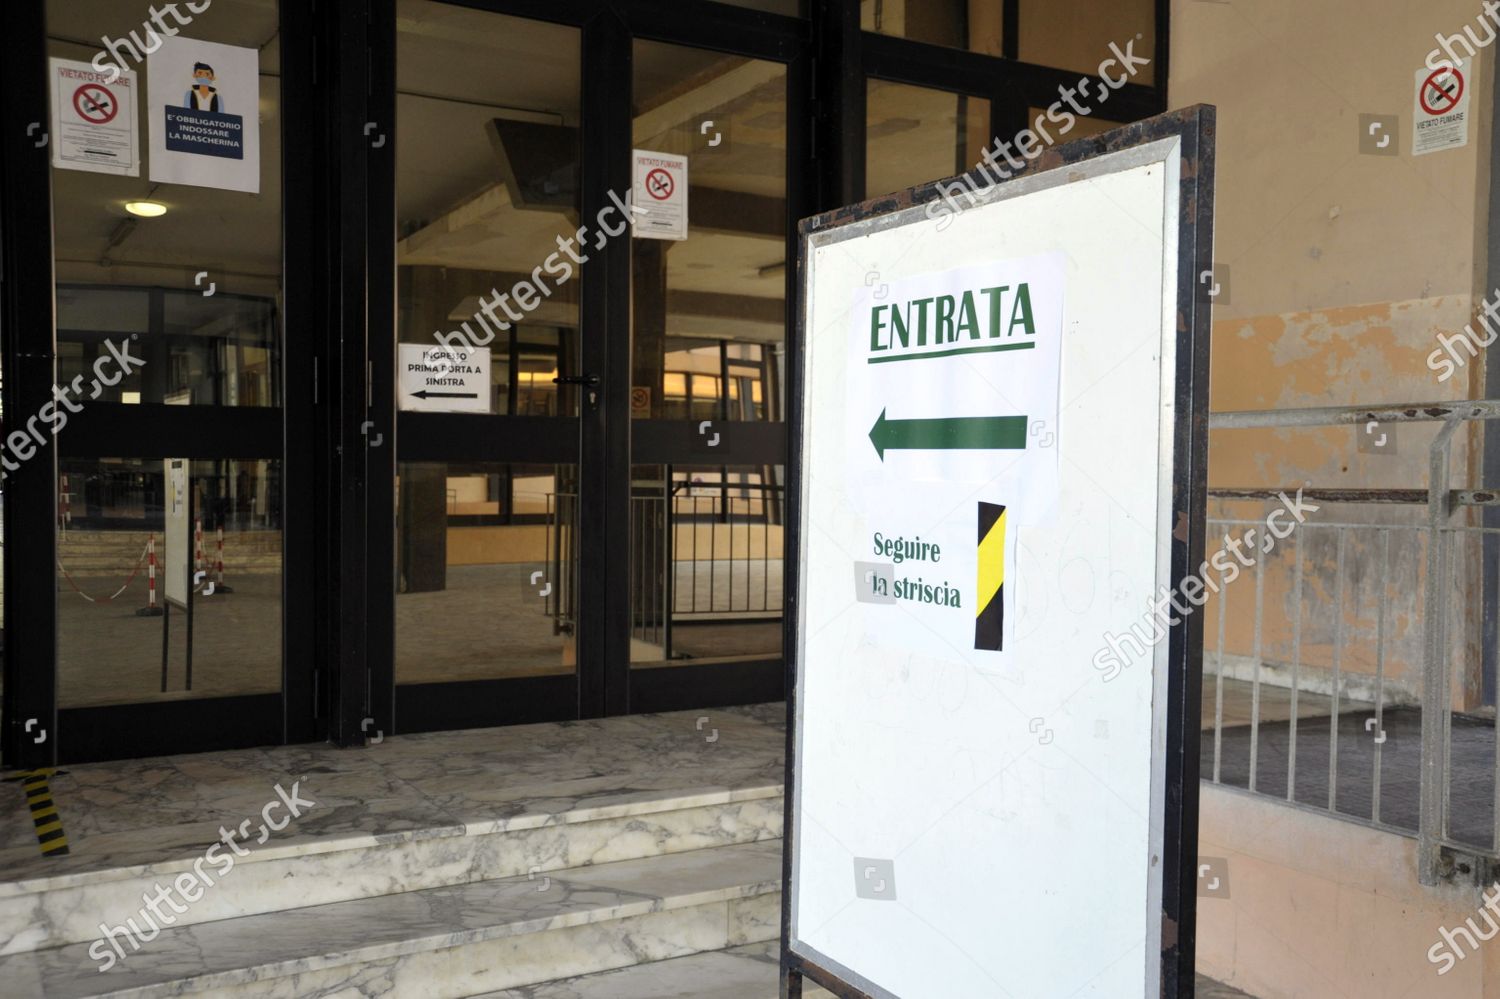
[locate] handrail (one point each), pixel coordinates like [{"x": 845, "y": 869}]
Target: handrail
[
  {"x": 1333, "y": 416},
  {"x": 1440, "y": 502}
]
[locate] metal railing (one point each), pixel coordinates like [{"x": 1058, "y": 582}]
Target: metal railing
[
  {"x": 709, "y": 552},
  {"x": 704, "y": 552},
  {"x": 1408, "y": 685}
]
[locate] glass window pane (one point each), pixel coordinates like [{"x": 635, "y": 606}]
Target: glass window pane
[
  {"x": 487, "y": 549},
  {"x": 486, "y": 196},
  {"x": 122, "y": 636},
  {"x": 198, "y": 285},
  {"x": 1066, "y": 34},
  {"x": 721, "y": 575},
  {"x": 724, "y": 287},
  {"x": 916, "y": 134},
  {"x": 1082, "y": 127},
  {"x": 189, "y": 280},
  {"x": 976, "y": 25}
]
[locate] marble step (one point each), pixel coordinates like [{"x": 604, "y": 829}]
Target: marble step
[
  {"x": 748, "y": 972},
  {"x": 105, "y": 878},
  {"x": 449, "y": 941}
]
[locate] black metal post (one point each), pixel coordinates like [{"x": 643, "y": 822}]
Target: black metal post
[{"x": 28, "y": 735}]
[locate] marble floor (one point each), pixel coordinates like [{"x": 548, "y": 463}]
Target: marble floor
[
  {"x": 129, "y": 812},
  {"x": 407, "y": 789},
  {"x": 750, "y": 972}
]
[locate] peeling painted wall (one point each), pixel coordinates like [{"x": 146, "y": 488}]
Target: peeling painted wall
[{"x": 1340, "y": 268}]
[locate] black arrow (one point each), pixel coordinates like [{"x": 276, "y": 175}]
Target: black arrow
[{"x": 424, "y": 394}]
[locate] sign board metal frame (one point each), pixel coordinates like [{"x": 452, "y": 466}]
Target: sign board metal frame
[{"x": 1180, "y": 487}]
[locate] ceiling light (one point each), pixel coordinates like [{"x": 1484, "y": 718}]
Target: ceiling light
[{"x": 146, "y": 209}]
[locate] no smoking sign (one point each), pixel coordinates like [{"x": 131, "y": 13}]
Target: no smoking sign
[
  {"x": 95, "y": 104},
  {"x": 659, "y": 184},
  {"x": 659, "y": 190},
  {"x": 1441, "y": 91},
  {"x": 93, "y": 119},
  {"x": 1441, "y": 113}
]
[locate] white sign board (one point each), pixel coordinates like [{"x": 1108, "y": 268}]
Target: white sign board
[
  {"x": 1440, "y": 109},
  {"x": 204, "y": 114},
  {"x": 93, "y": 120},
  {"x": 177, "y": 539},
  {"x": 990, "y": 412},
  {"x": 437, "y": 379},
  {"x": 660, "y": 190}
]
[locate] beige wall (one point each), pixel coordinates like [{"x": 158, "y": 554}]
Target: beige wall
[
  {"x": 1318, "y": 907},
  {"x": 1343, "y": 269}
]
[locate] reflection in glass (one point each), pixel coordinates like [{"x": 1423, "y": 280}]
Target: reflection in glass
[
  {"x": 486, "y": 186},
  {"x": 195, "y": 291},
  {"x": 708, "y": 313},
  {"x": 485, "y": 555},
  {"x": 706, "y": 563},
  {"x": 708, "y": 335},
  {"x": 976, "y": 25},
  {"x": 222, "y": 351},
  {"x": 1063, "y": 34},
  {"x": 199, "y": 285},
  {"x": 121, "y": 639},
  {"x": 915, "y": 135}
]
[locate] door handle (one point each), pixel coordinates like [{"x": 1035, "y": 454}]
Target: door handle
[{"x": 588, "y": 381}]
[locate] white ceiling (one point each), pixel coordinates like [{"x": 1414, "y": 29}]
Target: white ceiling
[{"x": 458, "y": 69}]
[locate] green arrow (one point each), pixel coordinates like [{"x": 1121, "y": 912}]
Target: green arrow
[{"x": 985, "y": 433}]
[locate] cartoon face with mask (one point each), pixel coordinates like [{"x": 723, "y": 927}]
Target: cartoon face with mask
[{"x": 203, "y": 96}]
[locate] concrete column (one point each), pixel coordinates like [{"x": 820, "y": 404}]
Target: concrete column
[
  {"x": 423, "y": 553},
  {"x": 648, "y": 302},
  {"x": 648, "y": 359}
]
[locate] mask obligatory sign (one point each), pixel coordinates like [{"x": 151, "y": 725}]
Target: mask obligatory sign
[{"x": 204, "y": 114}]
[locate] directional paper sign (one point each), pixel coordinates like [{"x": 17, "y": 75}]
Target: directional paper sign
[
  {"x": 444, "y": 379},
  {"x": 946, "y": 371},
  {"x": 1002, "y": 435}
]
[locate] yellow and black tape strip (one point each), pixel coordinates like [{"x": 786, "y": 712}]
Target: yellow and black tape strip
[
  {"x": 49, "y": 829},
  {"x": 989, "y": 615}
]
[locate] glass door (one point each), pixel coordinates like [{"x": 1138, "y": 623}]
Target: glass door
[
  {"x": 169, "y": 350},
  {"x": 708, "y": 362},
  {"x": 488, "y": 379}
]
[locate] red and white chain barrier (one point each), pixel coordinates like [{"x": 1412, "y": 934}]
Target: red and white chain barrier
[{"x": 145, "y": 553}]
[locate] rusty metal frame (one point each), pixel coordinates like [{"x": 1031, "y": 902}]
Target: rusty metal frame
[{"x": 1194, "y": 128}]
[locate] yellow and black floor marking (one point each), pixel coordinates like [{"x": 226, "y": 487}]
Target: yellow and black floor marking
[
  {"x": 49, "y": 830},
  {"x": 989, "y": 617}
]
